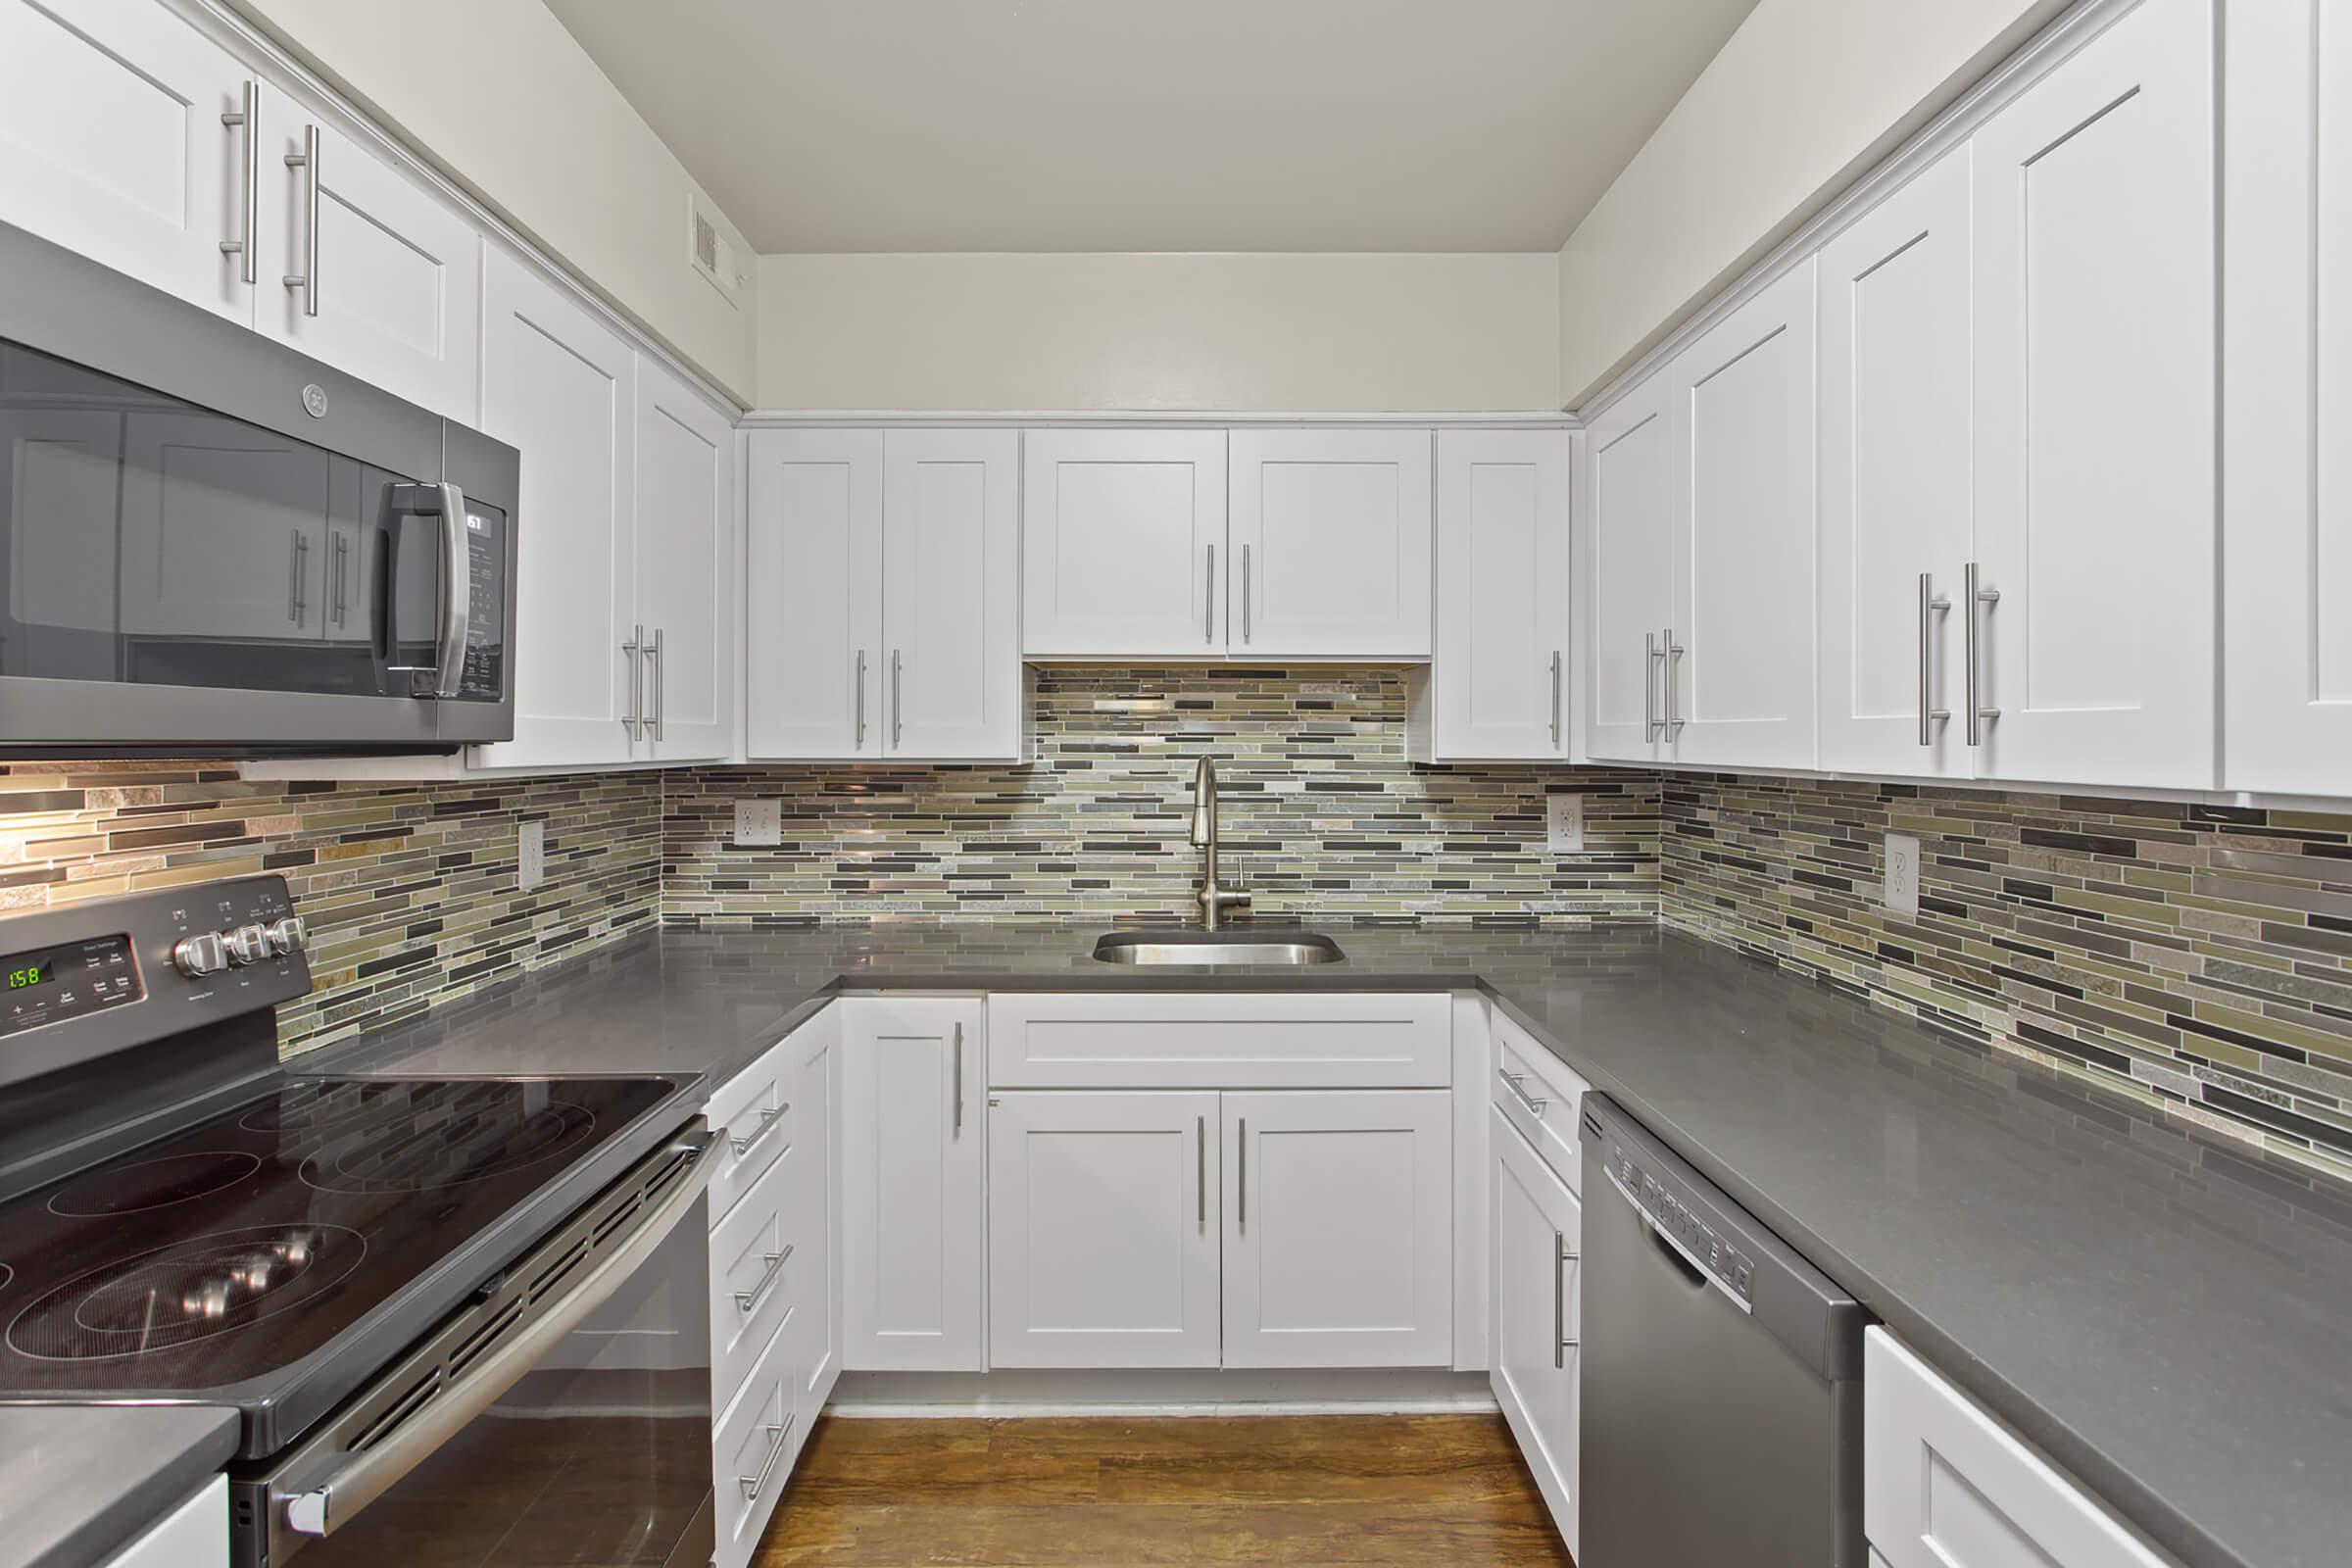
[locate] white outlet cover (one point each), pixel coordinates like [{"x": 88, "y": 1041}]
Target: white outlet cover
[
  {"x": 530, "y": 855},
  {"x": 758, "y": 822},
  {"x": 1564, "y": 823},
  {"x": 1902, "y": 894}
]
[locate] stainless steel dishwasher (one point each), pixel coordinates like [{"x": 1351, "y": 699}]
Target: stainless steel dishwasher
[{"x": 1722, "y": 1374}]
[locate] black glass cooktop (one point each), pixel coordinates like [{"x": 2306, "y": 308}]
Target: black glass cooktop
[{"x": 242, "y": 1245}]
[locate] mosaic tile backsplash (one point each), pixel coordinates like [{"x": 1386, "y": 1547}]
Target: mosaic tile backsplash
[
  {"x": 2199, "y": 956},
  {"x": 1320, "y": 815},
  {"x": 408, "y": 889}
]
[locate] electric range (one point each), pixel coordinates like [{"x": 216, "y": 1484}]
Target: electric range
[{"x": 348, "y": 1261}]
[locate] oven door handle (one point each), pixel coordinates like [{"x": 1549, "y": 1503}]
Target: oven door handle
[{"x": 322, "y": 1509}]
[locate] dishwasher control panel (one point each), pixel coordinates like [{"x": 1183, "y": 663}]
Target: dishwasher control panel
[{"x": 1683, "y": 1222}]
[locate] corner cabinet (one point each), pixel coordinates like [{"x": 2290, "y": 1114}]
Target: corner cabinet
[{"x": 884, "y": 566}]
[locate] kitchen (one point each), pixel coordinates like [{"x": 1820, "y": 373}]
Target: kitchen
[{"x": 1533, "y": 783}]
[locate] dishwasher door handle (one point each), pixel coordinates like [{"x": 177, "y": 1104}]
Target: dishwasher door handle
[{"x": 1681, "y": 1256}]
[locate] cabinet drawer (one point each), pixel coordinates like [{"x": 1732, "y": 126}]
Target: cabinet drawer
[
  {"x": 1539, "y": 1094},
  {"x": 1945, "y": 1486},
  {"x": 753, "y": 1116},
  {"x": 753, "y": 1283},
  {"x": 752, "y": 1454},
  {"x": 1179, "y": 1041}
]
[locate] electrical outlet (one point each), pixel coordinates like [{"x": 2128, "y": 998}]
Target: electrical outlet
[
  {"x": 530, "y": 855},
  {"x": 1902, "y": 874},
  {"x": 758, "y": 822},
  {"x": 1564, "y": 823}
]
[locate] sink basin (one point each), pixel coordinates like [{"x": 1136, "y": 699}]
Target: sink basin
[{"x": 1217, "y": 950}]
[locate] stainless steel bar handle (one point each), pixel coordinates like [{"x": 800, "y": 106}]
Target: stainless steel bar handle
[
  {"x": 307, "y": 281},
  {"x": 769, "y": 1120},
  {"x": 247, "y": 249},
  {"x": 1245, "y": 593},
  {"x": 294, "y": 577},
  {"x": 1555, "y": 699},
  {"x": 860, "y": 746},
  {"x": 1201, "y": 1165},
  {"x": 1979, "y": 598},
  {"x": 775, "y": 1261},
  {"x": 1240, "y": 1183},
  {"x": 898, "y": 702},
  {"x": 1652, "y": 657},
  {"x": 779, "y": 1439},
  {"x": 1929, "y": 603},
  {"x": 661, "y": 683},
  {"x": 959, "y": 1074},
  {"x": 1518, "y": 1086},
  {"x": 457, "y": 603},
  {"x": 629, "y": 652},
  {"x": 1561, "y": 1258},
  {"x": 1674, "y": 652},
  {"x": 1208, "y": 600}
]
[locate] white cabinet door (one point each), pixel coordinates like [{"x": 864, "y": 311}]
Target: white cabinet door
[
  {"x": 816, "y": 1056},
  {"x": 1498, "y": 683},
  {"x": 2287, "y": 502},
  {"x": 225, "y": 529},
  {"x": 1944, "y": 1485},
  {"x": 685, "y": 568},
  {"x": 1102, "y": 1230},
  {"x": 813, "y": 633},
  {"x": 1634, "y": 500},
  {"x": 112, "y": 143},
  {"x": 1123, "y": 544},
  {"x": 562, "y": 389},
  {"x": 1738, "y": 669},
  {"x": 1339, "y": 1235},
  {"x": 910, "y": 1184},
  {"x": 393, "y": 276},
  {"x": 194, "y": 1535},
  {"x": 1895, "y": 479},
  {"x": 2094, "y": 396},
  {"x": 1331, "y": 544},
  {"x": 951, "y": 595},
  {"x": 1539, "y": 1235}
]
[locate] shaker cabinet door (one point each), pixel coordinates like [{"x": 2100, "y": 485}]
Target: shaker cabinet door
[
  {"x": 685, "y": 568},
  {"x": 1499, "y": 682},
  {"x": 1633, "y": 464},
  {"x": 1331, "y": 544},
  {"x": 1539, "y": 1235},
  {"x": 951, "y": 595},
  {"x": 1123, "y": 544},
  {"x": 813, "y": 669}
]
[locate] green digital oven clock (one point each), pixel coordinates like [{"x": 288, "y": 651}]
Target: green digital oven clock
[{"x": 37, "y": 973}]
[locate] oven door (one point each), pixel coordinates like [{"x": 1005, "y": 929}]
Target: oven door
[
  {"x": 210, "y": 543},
  {"x": 562, "y": 1419}
]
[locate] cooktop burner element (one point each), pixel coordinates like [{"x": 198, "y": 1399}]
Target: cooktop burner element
[{"x": 302, "y": 1211}]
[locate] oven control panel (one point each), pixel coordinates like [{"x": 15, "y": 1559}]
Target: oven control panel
[
  {"x": 1683, "y": 1222},
  {"x": 70, "y": 980}
]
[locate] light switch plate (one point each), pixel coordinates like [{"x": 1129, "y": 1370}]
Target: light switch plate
[
  {"x": 1564, "y": 823},
  {"x": 758, "y": 822},
  {"x": 530, "y": 855},
  {"x": 1902, "y": 874}
]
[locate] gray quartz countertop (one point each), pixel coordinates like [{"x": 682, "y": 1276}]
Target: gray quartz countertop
[
  {"x": 2168, "y": 1314},
  {"x": 79, "y": 1483}
]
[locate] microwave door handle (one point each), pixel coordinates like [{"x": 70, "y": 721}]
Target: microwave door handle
[
  {"x": 330, "y": 1504},
  {"x": 447, "y": 675},
  {"x": 457, "y": 603}
]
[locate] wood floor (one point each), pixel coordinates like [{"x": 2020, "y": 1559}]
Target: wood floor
[{"x": 1304, "y": 1492}]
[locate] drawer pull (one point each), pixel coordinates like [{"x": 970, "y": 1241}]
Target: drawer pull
[
  {"x": 777, "y": 1436},
  {"x": 768, "y": 1122},
  {"x": 745, "y": 1300},
  {"x": 1518, "y": 1083}
]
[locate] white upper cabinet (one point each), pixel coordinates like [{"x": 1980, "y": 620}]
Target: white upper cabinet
[
  {"x": 2095, "y": 329},
  {"x": 813, "y": 637},
  {"x": 685, "y": 569},
  {"x": 1330, "y": 535},
  {"x": 1633, "y": 465},
  {"x": 364, "y": 269},
  {"x": 111, "y": 144},
  {"x": 1895, "y": 479},
  {"x": 951, "y": 595},
  {"x": 561, "y": 387},
  {"x": 1739, "y": 668},
  {"x": 1123, "y": 544},
  {"x": 2286, "y": 496},
  {"x": 1497, "y": 690}
]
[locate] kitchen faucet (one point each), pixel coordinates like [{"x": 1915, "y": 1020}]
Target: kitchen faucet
[{"x": 1214, "y": 901}]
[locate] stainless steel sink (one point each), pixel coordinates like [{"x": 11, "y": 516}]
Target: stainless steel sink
[{"x": 1220, "y": 950}]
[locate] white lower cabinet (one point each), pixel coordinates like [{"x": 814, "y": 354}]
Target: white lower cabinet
[
  {"x": 1945, "y": 1486},
  {"x": 911, "y": 1184},
  {"x": 1537, "y": 1364},
  {"x": 1103, "y": 1216},
  {"x": 194, "y": 1535},
  {"x": 752, "y": 1453}
]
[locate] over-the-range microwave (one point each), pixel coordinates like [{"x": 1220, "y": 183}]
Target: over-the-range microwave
[{"x": 213, "y": 545}]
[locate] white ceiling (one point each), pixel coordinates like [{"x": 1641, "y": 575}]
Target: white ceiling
[{"x": 1154, "y": 124}]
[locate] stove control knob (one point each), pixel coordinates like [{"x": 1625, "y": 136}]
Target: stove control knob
[
  {"x": 200, "y": 955},
  {"x": 288, "y": 935},
  {"x": 248, "y": 944}
]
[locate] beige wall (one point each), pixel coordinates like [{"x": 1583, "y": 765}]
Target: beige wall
[
  {"x": 1258, "y": 331},
  {"x": 1801, "y": 99},
  {"x": 525, "y": 119}
]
